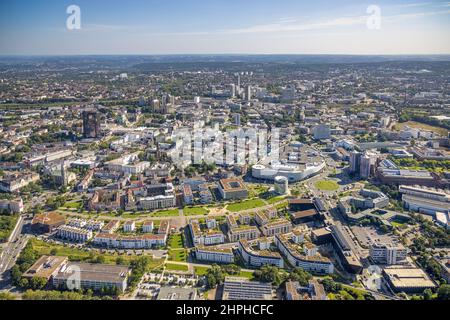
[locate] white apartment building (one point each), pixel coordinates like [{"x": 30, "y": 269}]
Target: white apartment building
[
  {"x": 243, "y": 233},
  {"x": 216, "y": 255},
  {"x": 206, "y": 238},
  {"x": 76, "y": 223},
  {"x": 148, "y": 227},
  {"x": 259, "y": 258},
  {"x": 94, "y": 225},
  {"x": 157, "y": 202},
  {"x": 146, "y": 241},
  {"x": 129, "y": 226},
  {"x": 74, "y": 234},
  {"x": 390, "y": 254},
  {"x": 281, "y": 226},
  {"x": 315, "y": 264},
  {"x": 12, "y": 206},
  {"x": 14, "y": 182}
]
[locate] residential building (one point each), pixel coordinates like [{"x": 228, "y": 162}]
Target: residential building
[
  {"x": 74, "y": 234},
  {"x": 279, "y": 226},
  {"x": 233, "y": 189},
  {"x": 296, "y": 257},
  {"x": 146, "y": 241},
  {"x": 12, "y": 206},
  {"x": 148, "y": 226},
  {"x": 205, "y": 238},
  {"x": 13, "y": 182},
  {"x": 259, "y": 258},
  {"x": 129, "y": 226},
  {"x": 157, "y": 202},
  {"x": 187, "y": 194},
  {"x": 243, "y": 233},
  {"x": 214, "y": 254},
  {"x": 111, "y": 227}
]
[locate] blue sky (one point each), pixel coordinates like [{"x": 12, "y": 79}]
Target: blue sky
[{"x": 224, "y": 26}]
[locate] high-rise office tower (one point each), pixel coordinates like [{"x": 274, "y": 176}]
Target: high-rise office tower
[
  {"x": 156, "y": 105},
  {"x": 91, "y": 124},
  {"x": 368, "y": 161},
  {"x": 248, "y": 93},
  {"x": 364, "y": 168},
  {"x": 355, "y": 161},
  {"x": 237, "y": 119},
  {"x": 233, "y": 90}
]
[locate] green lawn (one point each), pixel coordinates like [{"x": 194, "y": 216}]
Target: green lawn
[
  {"x": 165, "y": 213},
  {"x": 282, "y": 205},
  {"x": 195, "y": 211},
  {"x": 178, "y": 255},
  {"x": 201, "y": 271},
  {"x": 177, "y": 267},
  {"x": 397, "y": 224},
  {"x": 327, "y": 185},
  {"x": 162, "y": 213},
  {"x": 246, "y": 274},
  {"x": 275, "y": 199},
  {"x": 176, "y": 241},
  {"x": 44, "y": 248},
  {"x": 246, "y": 205},
  {"x": 73, "y": 205},
  {"x": 256, "y": 190}
]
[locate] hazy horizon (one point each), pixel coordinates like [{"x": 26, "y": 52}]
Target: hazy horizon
[{"x": 216, "y": 27}]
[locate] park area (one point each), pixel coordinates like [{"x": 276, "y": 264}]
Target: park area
[
  {"x": 177, "y": 267},
  {"x": 43, "y": 248},
  {"x": 201, "y": 271},
  {"x": 327, "y": 185},
  {"x": 246, "y": 205},
  {"x": 195, "y": 211}
]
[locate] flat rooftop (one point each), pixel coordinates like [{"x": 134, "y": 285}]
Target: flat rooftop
[
  {"x": 409, "y": 278},
  {"x": 169, "y": 293},
  {"x": 48, "y": 218},
  {"x": 45, "y": 266},
  {"x": 232, "y": 184},
  {"x": 236, "y": 288},
  {"x": 95, "y": 272}
]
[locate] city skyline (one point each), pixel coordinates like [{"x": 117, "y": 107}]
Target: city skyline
[{"x": 226, "y": 27}]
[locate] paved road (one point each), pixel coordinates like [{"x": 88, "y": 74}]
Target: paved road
[{"x": 11, "y": 251}]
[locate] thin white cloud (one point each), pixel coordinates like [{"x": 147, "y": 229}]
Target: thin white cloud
[
  {"x": 412, "y": 5},
  {"x": 416, "y": 15},
  {"x": 285, "y": 27}
]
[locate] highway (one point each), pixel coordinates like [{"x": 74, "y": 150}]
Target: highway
[{"x": 11, "y": 250}]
